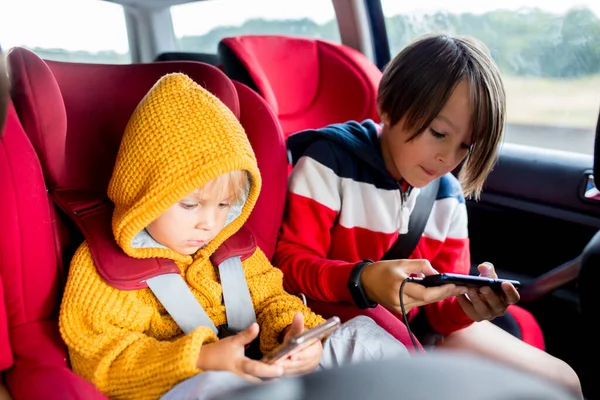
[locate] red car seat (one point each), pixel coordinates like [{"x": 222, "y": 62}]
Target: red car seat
[
  {"x": 31, "y": 273},
  {"x": 99, "y": 100},
  {"x": 308, "y": 83},
  {"x": 6, "y": 357},
  {"x": 74, "y": 116}
]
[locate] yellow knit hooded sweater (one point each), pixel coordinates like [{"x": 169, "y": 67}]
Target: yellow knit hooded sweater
[{"x": 179, "y": 138}]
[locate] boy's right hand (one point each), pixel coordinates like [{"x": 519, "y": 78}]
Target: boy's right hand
[
  {"x": 382, "y": 280},
  {"x": 228, "y": 355}
]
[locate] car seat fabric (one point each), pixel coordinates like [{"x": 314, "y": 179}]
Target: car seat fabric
[
  {"x": 96, "y": 123},
  {"x": 309, "y": 83},
  {"x": 75, "y": 115},
  {"x": 99, "y": 99},
  {"x": 30, "y": 273},
  {"x": 531, "y": 332},
  {"x": 264, "y": 132},
  {"x": 6, "y": 357}
]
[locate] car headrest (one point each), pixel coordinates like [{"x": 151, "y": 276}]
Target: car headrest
[
  {"x": 308, "y": 83},
  {"x": 99, "y": 100}
]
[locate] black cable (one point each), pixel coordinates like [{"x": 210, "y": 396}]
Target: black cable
[{"x": 404, "y": 316}]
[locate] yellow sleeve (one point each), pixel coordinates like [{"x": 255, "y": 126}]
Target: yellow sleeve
[
  {"x": 274, "y": 307},
  {"x": 105, "y": 331}
]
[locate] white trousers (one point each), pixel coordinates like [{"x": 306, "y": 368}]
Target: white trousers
[{"x": 357, "y": 340}]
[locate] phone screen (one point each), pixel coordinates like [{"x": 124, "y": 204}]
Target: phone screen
[{"x": 304, "y": 340}]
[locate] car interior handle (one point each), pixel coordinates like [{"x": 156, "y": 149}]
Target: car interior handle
[{"x": 590, "y": 192}]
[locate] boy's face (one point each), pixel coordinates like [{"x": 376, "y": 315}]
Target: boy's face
[
  {"x": 195, "y": 220},
  {"x": 438, "y": 150}
]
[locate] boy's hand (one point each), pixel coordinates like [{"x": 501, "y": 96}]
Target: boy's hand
[
  {"x": 382, "y": 280},
  {"x": 228, "y": 355},
  {"x": 485, "y": 304},
  {"x": 305, "y": 360}
]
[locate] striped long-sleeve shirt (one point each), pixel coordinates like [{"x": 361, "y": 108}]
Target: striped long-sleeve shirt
[{"x": 343, "y": 207}]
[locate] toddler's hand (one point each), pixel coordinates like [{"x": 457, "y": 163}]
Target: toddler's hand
[
  {"x": 305, "y": 360},
  {"x": 228, "y": 355}
]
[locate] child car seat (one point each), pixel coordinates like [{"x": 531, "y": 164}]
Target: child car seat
[
  {"x": 309, "y": 83},
  {"x": 74, "y": 116}
]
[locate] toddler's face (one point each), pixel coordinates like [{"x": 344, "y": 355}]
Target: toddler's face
[{"x": 195, "y": 220}]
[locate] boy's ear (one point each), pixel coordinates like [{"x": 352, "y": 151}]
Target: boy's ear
[{"x": 385, "y": 117}]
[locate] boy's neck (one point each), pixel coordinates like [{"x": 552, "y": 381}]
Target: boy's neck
[{"x": 388, "y": 160}]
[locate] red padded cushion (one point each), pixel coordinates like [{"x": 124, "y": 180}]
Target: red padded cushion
[
  {"x": 531, "y": 332},
  {"x": 241, "y": 244},
  {"x": 6, "y": 357},
  {"x": 28, "y": 258},
  {"x": 309, "y": 83},
  {"x": 41, "y": 110},
  {"x": 30, "y": 271},
  {"x": 99, "y": 100},
  {"x": 92, "y": 213},
  {"x": 268, "y": 143},
  {"x": 271, "y": 61},
  {"x": 41, "y": 369}
]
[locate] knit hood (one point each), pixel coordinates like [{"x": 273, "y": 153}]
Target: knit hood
[{"x": 179, "y": 138}]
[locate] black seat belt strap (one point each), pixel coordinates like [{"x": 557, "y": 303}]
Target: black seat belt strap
[{"x": 406, "y": 243}]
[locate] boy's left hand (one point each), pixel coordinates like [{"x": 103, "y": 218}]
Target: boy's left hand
[
  {"x": 485, "y": 304},
  {"x": 305, "y": 360}
]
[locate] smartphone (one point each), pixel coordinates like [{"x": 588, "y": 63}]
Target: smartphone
[
  {"x": 470, "y": 281},
  {"x": 305, "y": 339}
]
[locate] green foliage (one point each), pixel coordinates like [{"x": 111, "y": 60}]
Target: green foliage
[
  {"x": 529, "y": 42},
  {"x": 524, "y": 43},
  {"x": 300, "y": 27}
]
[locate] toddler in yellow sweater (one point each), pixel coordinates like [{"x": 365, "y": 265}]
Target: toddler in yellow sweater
[{"x": 185, "y": 180}]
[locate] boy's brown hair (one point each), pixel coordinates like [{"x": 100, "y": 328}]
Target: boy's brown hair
[{"x": 418, "y": 82}]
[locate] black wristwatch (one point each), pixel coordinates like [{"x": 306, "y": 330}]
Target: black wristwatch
[{"x": 356, "y": 289}]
